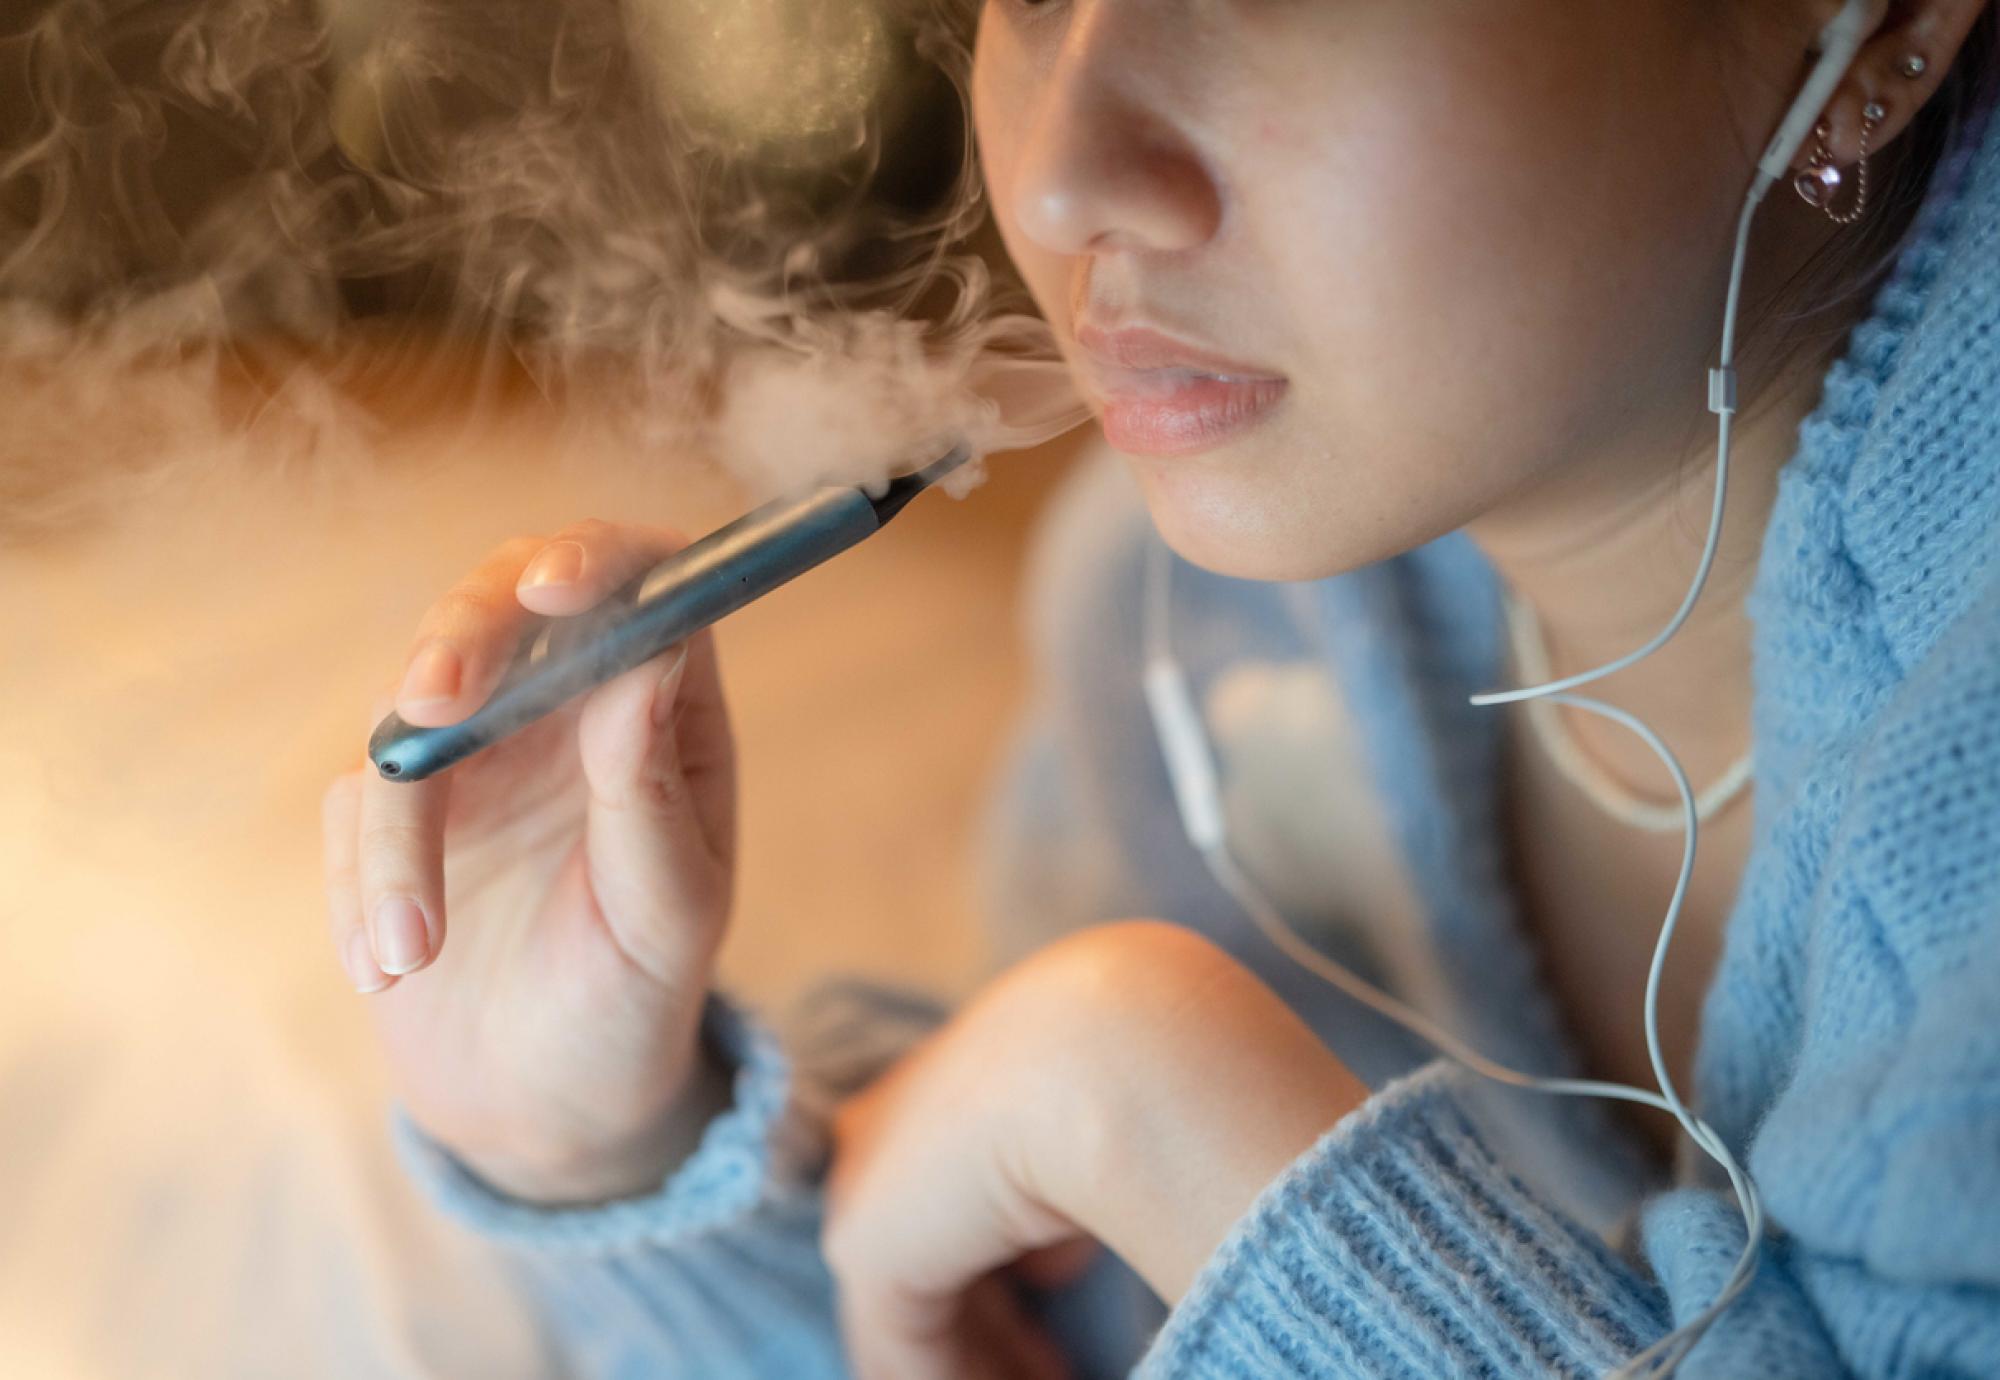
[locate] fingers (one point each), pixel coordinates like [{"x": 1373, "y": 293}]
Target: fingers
[
  {"x": 919, "y": 1233},
  {"x": 892, "y": 1337},
  {"x": 399, "y": 873},
  {"x": 385, "y": 841},
  {"x": 659, "y": 836},
  {"x": 467, "y": 639},
  {"x": 340, "y": 820},
  {"x": 588, "y": 560}
]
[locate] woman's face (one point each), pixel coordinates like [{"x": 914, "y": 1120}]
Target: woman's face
[{"x": 1340, "y": 278}]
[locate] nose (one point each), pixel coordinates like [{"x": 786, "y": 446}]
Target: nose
[{"x": 1103, "y": 167}]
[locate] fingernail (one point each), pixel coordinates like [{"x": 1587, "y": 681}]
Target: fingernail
[
  {"x": 559, "y": 564},
  {"x": 433, "y": 675},
  {"x": 402, "y": 943},
  {"x": 361, "y": 969},
  {"x": 668, "y": 691}
]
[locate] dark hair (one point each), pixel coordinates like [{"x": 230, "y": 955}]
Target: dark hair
[{"x": 1813, "y": 311}]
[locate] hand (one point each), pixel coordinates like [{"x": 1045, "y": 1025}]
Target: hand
[
  {"x": 588, "y": 862},
  {"x": 1132, "y": 1084}
]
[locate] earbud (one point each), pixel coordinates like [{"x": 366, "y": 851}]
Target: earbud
[
  {"x": 1197, "y": 788},
  {"x": 1839, "y": 41}
]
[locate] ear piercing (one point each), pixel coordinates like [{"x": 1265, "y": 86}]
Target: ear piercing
[{"x": 1819, "y": 184}]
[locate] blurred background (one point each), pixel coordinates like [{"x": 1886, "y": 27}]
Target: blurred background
[
  {"x": 194, "y": 1179},
  {"x": 216, "y": 536}
]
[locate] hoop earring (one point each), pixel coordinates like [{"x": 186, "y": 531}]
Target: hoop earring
[{"x": 1819, "y": 185}]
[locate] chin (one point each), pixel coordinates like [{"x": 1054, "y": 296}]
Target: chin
[{"x": 1213, "y": 514}]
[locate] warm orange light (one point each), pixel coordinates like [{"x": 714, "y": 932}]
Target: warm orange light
[{"x": 785, "y": 80}]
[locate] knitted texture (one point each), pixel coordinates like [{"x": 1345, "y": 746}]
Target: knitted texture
[
  {"x": 761, "y": 1148},
  {"x": 1849, "y": 1051},
  {"x": 717, "y": 1273},
  {"x": 1418, "y": 1225}
]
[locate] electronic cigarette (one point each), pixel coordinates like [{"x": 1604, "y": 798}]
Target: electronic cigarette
[{"x": 561, "y": 658}]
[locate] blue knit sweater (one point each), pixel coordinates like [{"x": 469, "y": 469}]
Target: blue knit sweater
[{"x": 1850, "y": 1044}]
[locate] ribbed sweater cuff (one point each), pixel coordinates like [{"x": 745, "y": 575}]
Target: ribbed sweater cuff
[
  {"x": 769, "y": 1143},
  {"x": 1399, "y": 1245}
]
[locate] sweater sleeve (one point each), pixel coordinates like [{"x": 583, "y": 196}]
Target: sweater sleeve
[
  {"x": 1399, "y": 1245},
  {"x": 717, "y": 1273}
]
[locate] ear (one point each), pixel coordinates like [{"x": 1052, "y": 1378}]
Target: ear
[{"x": 1901, "y": 67}]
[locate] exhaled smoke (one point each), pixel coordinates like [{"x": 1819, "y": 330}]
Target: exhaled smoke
[{"x": 736, "y": 226}]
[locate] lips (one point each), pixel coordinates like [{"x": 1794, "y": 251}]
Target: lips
[{"x": 1161, "y": 396}]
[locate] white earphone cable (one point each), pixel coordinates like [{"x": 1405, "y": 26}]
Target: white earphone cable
[
  {"x": 1163, "y": 673},
  {"x": 1197, "y": 784}
]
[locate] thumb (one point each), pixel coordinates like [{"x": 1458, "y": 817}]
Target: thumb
[{"x": 661, "y": 887}]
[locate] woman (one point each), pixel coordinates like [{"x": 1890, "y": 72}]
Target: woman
[{"x": 1390, "y": 308}]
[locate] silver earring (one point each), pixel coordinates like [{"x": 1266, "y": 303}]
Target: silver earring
[
  {"x": 1819, "y": 185},
  {"x": 1913, "y": 66}
]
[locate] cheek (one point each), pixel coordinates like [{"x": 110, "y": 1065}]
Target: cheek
[
  {"x": 1475, "y": 246},
  {"x": 1002, "y": 96},
  {"x": 1484, "y": 277}
]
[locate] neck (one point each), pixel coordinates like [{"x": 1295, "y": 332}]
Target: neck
[{"x": 1603, "y": 554}]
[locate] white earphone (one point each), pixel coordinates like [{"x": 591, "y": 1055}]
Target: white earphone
[{"x": 1197, "y": 787}]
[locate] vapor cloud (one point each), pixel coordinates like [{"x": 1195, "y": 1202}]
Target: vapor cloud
[{"x": 731, "y": 228}]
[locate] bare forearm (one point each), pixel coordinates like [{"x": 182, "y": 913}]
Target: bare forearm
[{"x": 1235, "y": 1088}]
